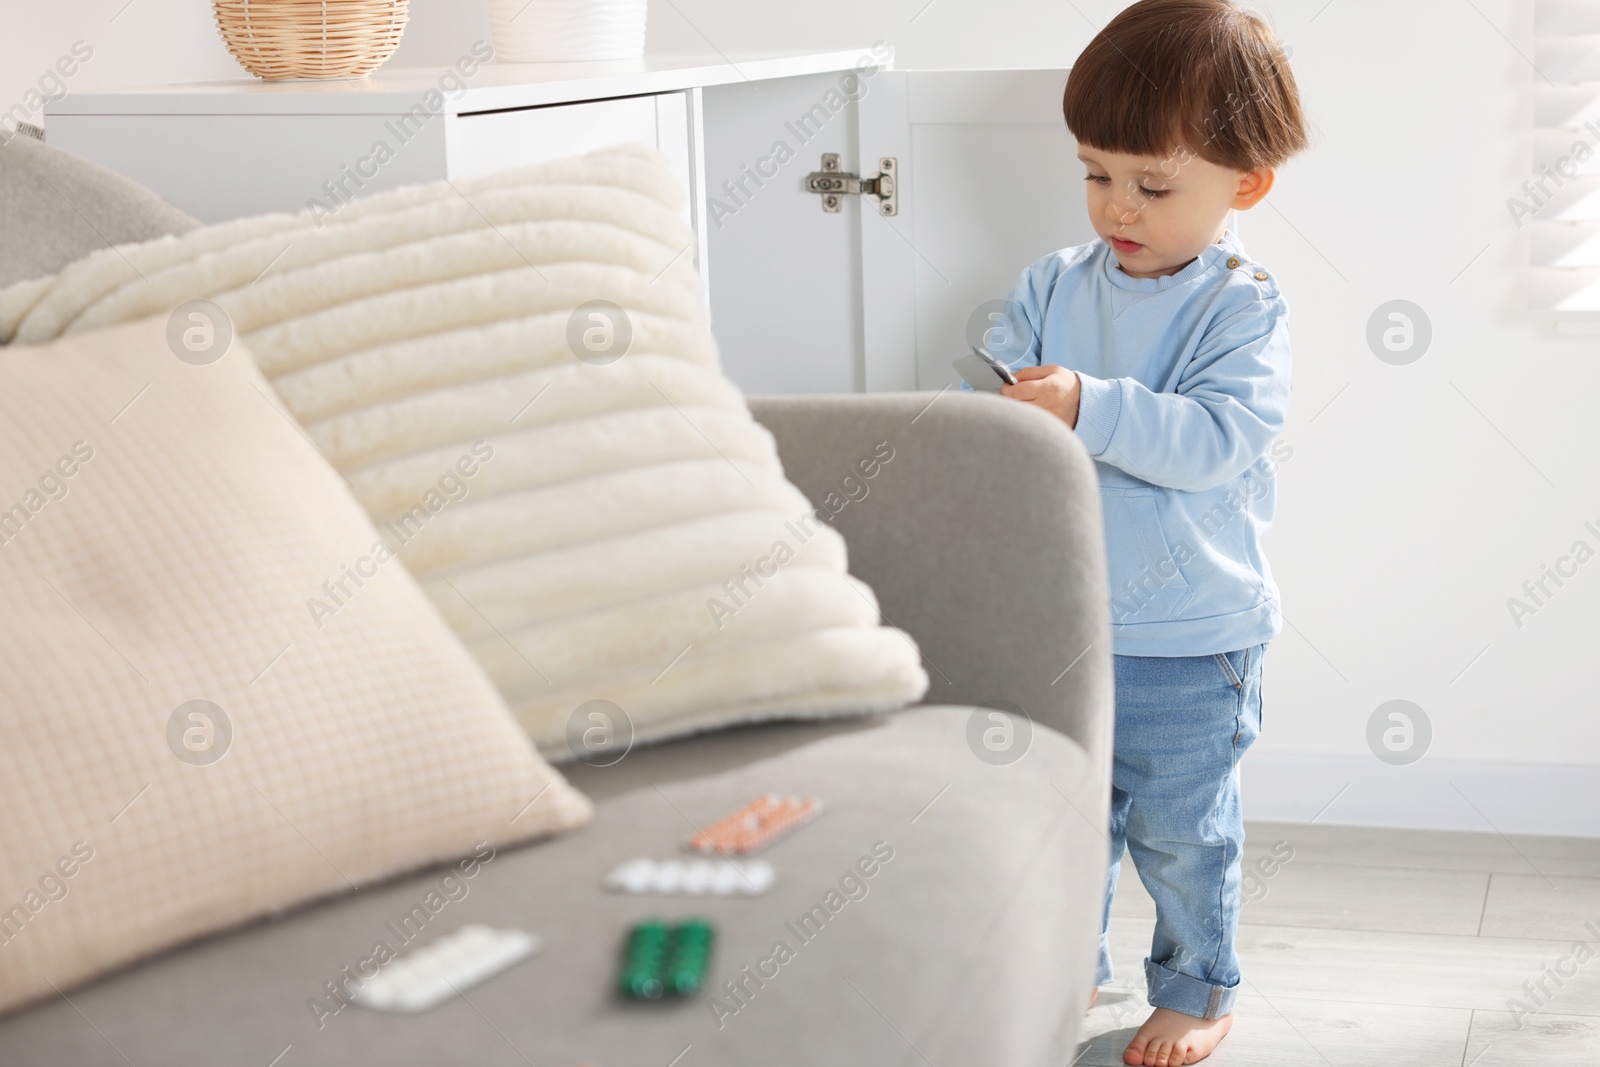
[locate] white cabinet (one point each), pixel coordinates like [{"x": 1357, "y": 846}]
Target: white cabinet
[
  {"x": 802, "y": 300},
  {"x": 220, "y": 166}
]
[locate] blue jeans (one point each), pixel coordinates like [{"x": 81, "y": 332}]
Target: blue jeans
[{"x": 1182, "y": 723}]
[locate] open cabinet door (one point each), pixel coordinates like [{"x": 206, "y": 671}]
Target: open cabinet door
[
  {"x": 805, "y": 300},
  {"x": 991, "y": 182},
  {"x": 785, "y": 276}
]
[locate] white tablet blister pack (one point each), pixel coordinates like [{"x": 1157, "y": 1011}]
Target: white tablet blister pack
[
  {"x": 428, "y": 976},
  {"x": 695, "y": 877}
]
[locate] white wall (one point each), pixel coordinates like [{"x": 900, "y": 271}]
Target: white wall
[
  {"x": 1411, "y": 508},
  {"x": 133, "y": 44}
]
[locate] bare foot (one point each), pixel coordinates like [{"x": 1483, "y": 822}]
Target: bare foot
[
  {"x": 1171, "y": 1039},
  {"x": 1094, "y": 996}
]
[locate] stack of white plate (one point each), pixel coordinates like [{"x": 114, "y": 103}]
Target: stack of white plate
[{"x": 567, "y": 31}]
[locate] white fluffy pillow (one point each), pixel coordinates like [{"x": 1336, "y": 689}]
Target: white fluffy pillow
[
  {"x": 588, "y": 525},
  {"x": 182, "y": 747}
]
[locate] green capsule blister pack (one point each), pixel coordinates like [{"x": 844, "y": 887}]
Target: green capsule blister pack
[{"x": 666, "y": 959}]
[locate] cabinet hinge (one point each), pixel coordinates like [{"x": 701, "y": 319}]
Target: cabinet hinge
[{"x": 833, "y": 185}]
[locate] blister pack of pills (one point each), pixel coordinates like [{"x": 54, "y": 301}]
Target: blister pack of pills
[
  {"x": 692, "y": 877},
  {"x": 425, "y": 977},
  {"x": 666, "y": 959},
  {"x": 756, "y": 825}
]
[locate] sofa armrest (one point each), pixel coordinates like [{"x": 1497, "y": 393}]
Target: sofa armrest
[{"x": 981, "y": 537}]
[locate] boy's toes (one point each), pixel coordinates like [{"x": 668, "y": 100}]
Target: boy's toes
[{"x": 1171, "y": 1039}]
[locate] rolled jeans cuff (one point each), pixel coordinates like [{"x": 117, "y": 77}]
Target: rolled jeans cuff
[{"x": 1186, "y": 993}]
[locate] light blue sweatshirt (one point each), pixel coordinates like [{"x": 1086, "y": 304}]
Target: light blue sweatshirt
[{"x": 1185, "y": 386}]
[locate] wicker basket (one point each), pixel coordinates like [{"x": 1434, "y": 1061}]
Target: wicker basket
[{"x": 276, "y": 39}]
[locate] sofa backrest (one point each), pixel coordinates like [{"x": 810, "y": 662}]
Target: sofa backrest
[{"x": 56, "y": 207}]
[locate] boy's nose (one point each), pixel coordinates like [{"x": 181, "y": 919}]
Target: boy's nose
[{"x": 1121, "y": 212}]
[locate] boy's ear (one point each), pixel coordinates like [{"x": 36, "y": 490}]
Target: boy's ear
[{"x": 1254, "y": 185}]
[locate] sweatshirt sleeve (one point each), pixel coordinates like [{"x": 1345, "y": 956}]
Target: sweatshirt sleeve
[
  {"x": 1012, "y": 335},
  {"x": 1230, "y": 402}
]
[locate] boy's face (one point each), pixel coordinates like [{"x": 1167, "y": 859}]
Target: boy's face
[{"x": 1159, "y": 212}]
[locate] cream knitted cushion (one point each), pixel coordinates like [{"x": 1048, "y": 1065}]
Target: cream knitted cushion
[
  {"x": 626, "y": 540},
  {"x": 181, "y": 746}
]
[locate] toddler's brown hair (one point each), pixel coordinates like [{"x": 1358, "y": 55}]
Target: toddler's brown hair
[{"x": 1203, "y": 76}]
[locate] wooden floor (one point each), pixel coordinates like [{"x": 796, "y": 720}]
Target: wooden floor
[{"x": 1393, "y": 948}]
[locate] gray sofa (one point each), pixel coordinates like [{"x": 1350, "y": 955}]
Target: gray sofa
[{"x": 973, "y": 943}]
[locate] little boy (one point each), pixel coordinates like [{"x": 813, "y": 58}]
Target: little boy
[{"x": 1166, "y": 348}]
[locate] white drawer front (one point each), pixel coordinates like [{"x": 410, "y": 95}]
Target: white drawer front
[
  {"x": 492, "y": 141},
  {"x": 483, "y": 143}
]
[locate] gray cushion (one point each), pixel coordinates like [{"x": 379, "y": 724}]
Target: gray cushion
[
  {"x": 56, "y": 208},
  {"x": 974, "y": 944}
]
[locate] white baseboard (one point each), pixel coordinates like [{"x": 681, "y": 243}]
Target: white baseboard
[{"x": 1511, "y": 798}]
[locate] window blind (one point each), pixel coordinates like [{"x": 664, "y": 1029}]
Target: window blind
[{"x": 1560, "y": 200}]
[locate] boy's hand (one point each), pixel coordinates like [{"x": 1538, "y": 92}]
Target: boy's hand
[{"x": 1055, "y": 389}]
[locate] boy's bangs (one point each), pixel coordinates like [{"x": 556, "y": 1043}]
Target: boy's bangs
[{"x": 1126, "y": 113}]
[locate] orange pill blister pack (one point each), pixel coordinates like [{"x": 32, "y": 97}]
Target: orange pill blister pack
[{"x": 756, "y": 825}]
